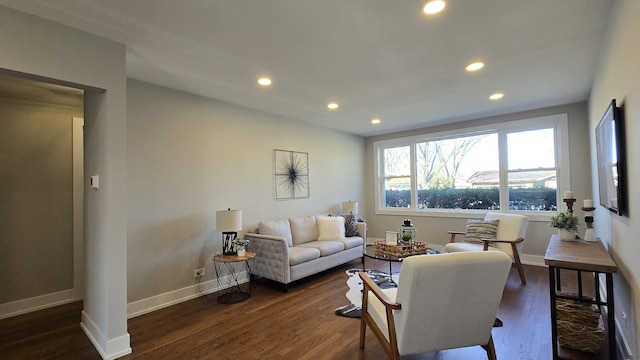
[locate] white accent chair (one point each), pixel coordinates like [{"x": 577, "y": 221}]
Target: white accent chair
[
  {"x": 442, "y": 302},
  {"x": 512, "y": 229}
]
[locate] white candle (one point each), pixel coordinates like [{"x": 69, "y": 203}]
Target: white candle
[
  {"x": 588, "y": 203},
  {"x": 568, "y": 194}
]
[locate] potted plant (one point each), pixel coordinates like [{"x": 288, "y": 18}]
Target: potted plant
[
  {"x": 240, "y": 244},
  {"x": 406, "y": 237},
  {"x": 566, "y": 223}
]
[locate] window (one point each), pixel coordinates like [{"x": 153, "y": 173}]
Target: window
[
  {"x": 532, "y": 174},
  {"x": 397, "y": 176},
  {"x": 513, "y": 166}
]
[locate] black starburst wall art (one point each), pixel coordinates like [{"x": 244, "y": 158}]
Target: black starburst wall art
[{"x": 291, "y": 174}]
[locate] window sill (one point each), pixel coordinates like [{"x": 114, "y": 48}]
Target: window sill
[{"x": 537, "y": 216}]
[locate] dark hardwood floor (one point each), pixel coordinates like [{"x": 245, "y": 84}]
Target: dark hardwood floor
[{"x": 299, "y": 324}]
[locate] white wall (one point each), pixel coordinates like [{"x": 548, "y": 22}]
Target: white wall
[
  {"x": 41, "y": 49},
  {"x": 189, "y": 156},
  {"x": 618, "y": 77}
]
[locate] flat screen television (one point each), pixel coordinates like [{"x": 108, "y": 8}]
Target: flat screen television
[{"x": 611, "y": 158}]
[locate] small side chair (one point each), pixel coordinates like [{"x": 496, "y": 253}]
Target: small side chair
[
  {"x": 507, "y": 238},
  {"x": 442, "y": 302}
]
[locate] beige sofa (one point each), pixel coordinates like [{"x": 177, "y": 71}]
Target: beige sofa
[{"x": 291, "y": 249}]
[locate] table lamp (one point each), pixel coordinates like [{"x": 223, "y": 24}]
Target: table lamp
[
  {"x": 229, "y": 222},
  {"x": 350, "y": 207}
]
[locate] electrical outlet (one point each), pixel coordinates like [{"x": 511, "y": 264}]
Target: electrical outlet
[{"x": 198, "y": 272}]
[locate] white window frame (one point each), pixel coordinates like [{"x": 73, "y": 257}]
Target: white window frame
[{"x": 560, "y": 124}]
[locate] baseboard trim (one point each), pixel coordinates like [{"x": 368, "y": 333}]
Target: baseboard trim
[
  {"x": 534, "y": 260},
  {"x": 622, "y": 344},
  {"x": 145, "y": 306},
  {"x": 134, "y": 309},
  {"x": 36, "y": 303},
  {"x": 108, "y": 349}
]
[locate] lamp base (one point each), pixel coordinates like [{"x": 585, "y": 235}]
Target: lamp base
[{"x": 227, "y": 244}]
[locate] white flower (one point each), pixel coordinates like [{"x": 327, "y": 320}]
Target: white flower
[{"x": 240, "y": 242}]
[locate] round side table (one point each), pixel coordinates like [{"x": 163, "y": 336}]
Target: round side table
[{"x": 229, "y": 269}]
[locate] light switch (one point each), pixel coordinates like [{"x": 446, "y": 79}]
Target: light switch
[{"x": 94, "y": 182}]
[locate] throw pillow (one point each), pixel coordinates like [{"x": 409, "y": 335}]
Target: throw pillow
[
  {"x": 303, "y": 229},
  {"x": 276, "y": 228},
  {"x": 350, "y": 225},
  {"x": 330, "y": 228},
  {"x": 480, "y": 229}
]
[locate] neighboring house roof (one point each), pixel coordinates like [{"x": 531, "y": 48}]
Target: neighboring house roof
[{"x": 491, "y": 177}]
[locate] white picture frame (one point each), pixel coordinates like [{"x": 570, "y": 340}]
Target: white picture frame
[{"x": 391, "y": 238}]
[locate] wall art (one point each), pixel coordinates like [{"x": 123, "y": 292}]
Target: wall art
[{"x": 291, "y": 174}]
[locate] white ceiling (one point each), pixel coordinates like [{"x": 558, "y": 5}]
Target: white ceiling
[{"x": 377, "y": 58}]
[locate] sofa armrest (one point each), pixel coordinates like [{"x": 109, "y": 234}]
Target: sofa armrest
[
  {"x": 362, "y": 230},
  {"x": 272, "y": 257}
]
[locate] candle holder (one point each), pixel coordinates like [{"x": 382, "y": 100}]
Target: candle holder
[
  {"x": 569, "y": 203},
  {"x": 588, "y": 219}
]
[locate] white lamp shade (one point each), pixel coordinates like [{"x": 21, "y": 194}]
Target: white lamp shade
[
  {"x": 229, "y": 220},
  {"x": 350, "y": 207}
]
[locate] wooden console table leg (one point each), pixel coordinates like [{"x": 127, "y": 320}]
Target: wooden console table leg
[{"x": 553, "y": 272}]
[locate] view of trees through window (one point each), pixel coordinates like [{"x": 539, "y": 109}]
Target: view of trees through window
[{"x": 466, "y": 173}]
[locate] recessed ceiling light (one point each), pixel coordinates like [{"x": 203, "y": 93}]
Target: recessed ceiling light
[
  {"x": 433, "y": 7},
  {"x": 332, "y": 105},
  {"x": 375, "y": 121},
  {"x": 474, "y": 66},
  {"x": 264, "y": 81},
  {"x": 496, "y": 96}
]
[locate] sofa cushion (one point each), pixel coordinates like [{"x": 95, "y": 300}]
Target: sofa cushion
[
  {"x": 326, "y": 247},
  {"x": 303, "y": 229},
  {"x": 352, "y": 242},
  {"x": 350, "y": 225},
  {"x": 299, "y": 255},
  {"x": 276, "y": 228},
  {"x": 330, "y": 228},
  {"x": 480, "y": 229}
]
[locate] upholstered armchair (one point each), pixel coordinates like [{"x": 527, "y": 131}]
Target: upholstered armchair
[
  {"x": 497, "y": 232},
  {"x": 442, "y": 302}
]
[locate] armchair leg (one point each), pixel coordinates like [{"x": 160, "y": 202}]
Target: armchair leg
[
  {"x": 516, "y": 260},
  {"x": 490, "y": 349},
  {"x": 363, "y": 332},
  {"x": 363, "y": 313}
]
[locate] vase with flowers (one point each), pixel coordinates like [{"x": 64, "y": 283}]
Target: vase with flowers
[
  {"x": 566, "y": 223},
  {"x": 241, "y": 245}
]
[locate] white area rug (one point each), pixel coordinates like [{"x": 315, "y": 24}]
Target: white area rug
[{"x": 354, "y": 295}]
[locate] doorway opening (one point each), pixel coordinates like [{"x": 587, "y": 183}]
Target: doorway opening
[{"x": 42, "y": 195}]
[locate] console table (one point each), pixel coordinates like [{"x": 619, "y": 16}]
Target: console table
[{"x": 581, "y": 256}]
